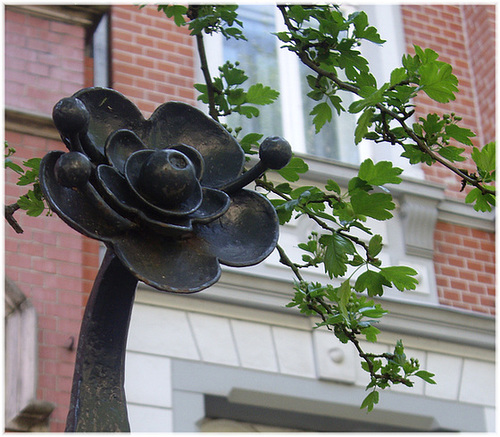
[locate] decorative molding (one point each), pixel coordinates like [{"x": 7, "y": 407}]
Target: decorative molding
[
  {"x": 30, "y": 123},
  {"x": 22, "y": 411},
  {"x": 460, "y": 213},
  {"x": 86, "y": 16},
  {"x": 419, "y": 216},
  {"x": 33, "y": 418},
  {"x": 431, "y": 327},
  {"x": 449, "y": 210}
]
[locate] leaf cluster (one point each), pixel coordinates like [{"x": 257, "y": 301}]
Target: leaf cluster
[
  {"x": 32, "y": 202},
  {"x": 208, "y": 19},
  {"x": 231, "y": 97}
]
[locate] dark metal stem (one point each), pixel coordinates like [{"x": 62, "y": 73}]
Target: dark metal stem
[{"x": 98, "y": 396}]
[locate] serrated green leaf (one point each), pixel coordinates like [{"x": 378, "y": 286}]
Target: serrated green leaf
[
  {"x": 295, "y": 167},
  {"x": 375, "y": 245},
  {"x": 402, "y": 277},
  {"x": 426, "y": 376},
  {"x": 452, "y": 153},
  {"x": 331, "y": 185},
  {"x": 373, "y": 312},
  {"x": 251, "y": 139},
  {"x": 380, "y": 173},
  {"x": 259, "y": 94},
  {"x": 322, "y": 114},
  {"x": 371, "y": 333},
  {"x": 482, "y": 202},
  {"x": 370, "y": 401},
  {"x": 247, "y": 111},
  {"x": 376, "y": 205},
  {"x": 344, "y": 293},
  {"x": 337, "y": 249},
  {"x": 461, "y": 134},
  {"x": 438, "y": 82},
  {"x": 9, "y": 164},
  {"x": 485, "y": 158},
  {"x": 31, "y": 204},
  {"x": 362, "y": 125},
  {"x": 371, "y": 281},
  {"x": 398, "y": 75}
]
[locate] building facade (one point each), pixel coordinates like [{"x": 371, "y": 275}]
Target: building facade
[{"x": 233, "y": 357}]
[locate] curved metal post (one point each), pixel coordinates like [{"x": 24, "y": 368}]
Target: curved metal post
[{"x": 98, "y": 396}]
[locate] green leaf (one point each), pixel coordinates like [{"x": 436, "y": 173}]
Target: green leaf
[
  {"x": 371, "y": 281},
  {"x": 247, "y": 111},
  {"x": 331, "y": 185},
  {"x": 370, "y": 401},
  {"x": 9, "y": 164},
  {"x": 426, "y": 376},
  {"x": 398, "y": 75},
  {"x": 363, "y": 123},
  {"x": 371, "y": 333},
  {"x": 375, "y": 245},
  {"x": 176, "y": 11},
  {"x": 401, "y": 276},
  {"x": 482, "y": 201},
  {"x": 452, "y": 153},
  {"x": 337, "y": 249},
  {"x": 31, "y": 204},
  {"x": 259, "y": 94},
  {"x": 322, "y": 114},
  {"x": 344, "y": 293},
  {"x": 461, "y": 134},
  {"x": 438, "y": 82},
  {"x": 485, "y": 158},
  {"x": 380, "y": 173},
  {"x": 291, "y": 171},
  {"x": 251, "y": 139},
  {"x": 374, "y": 312},
  {"x": 376, "y": 205}
]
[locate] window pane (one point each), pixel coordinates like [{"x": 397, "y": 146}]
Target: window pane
[
  {"x": 336, "y": 139},
  {"x": 258, "y": 58}
]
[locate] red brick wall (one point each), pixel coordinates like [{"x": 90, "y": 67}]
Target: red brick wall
[
  {"x": 464, "y": 258},
  {"x": 43, "y": 62},
  {"x": 443, "y": 28},
  {"x": 465, "y": 267},
  {"x": 153, "y": 59},
  {"x": 53, "y": 265}
]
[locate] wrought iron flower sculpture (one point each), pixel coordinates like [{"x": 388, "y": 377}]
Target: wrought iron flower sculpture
[{"x": 165, "y": 194}]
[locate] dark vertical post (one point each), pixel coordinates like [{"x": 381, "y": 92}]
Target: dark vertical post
[{"x": 98, "y": 397}]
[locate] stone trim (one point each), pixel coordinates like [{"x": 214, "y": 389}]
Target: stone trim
[
  {"x": 432, "y": 328},
  {"x": 22, "y": 411},
  {"x": 85, "y": 16},
  {"x": 30, "y": 123}
]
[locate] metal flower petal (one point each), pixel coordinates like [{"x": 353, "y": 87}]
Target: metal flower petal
[
  {"x": 175, "y": 123},
  {"x": 165, "y": 193},
  {"x": 246, "y": 234},
  {"x": 83, "y": 209},
  {"x": 180, "y": 265}
]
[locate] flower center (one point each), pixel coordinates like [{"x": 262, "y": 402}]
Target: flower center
[{"x": 167, "y": 178}]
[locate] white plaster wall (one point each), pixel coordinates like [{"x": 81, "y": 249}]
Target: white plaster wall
[{"x": 158, "y": 334}]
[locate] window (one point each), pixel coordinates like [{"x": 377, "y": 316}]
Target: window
[
  {"x": 264, "y": 62},
  {"x": 281, "y": 70}
]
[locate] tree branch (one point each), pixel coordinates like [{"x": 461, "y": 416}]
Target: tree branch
[
  {"x": 9, "y": 216},
  {"x": 208, "y": 79},
  {"x": 422, "y": 145}
]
